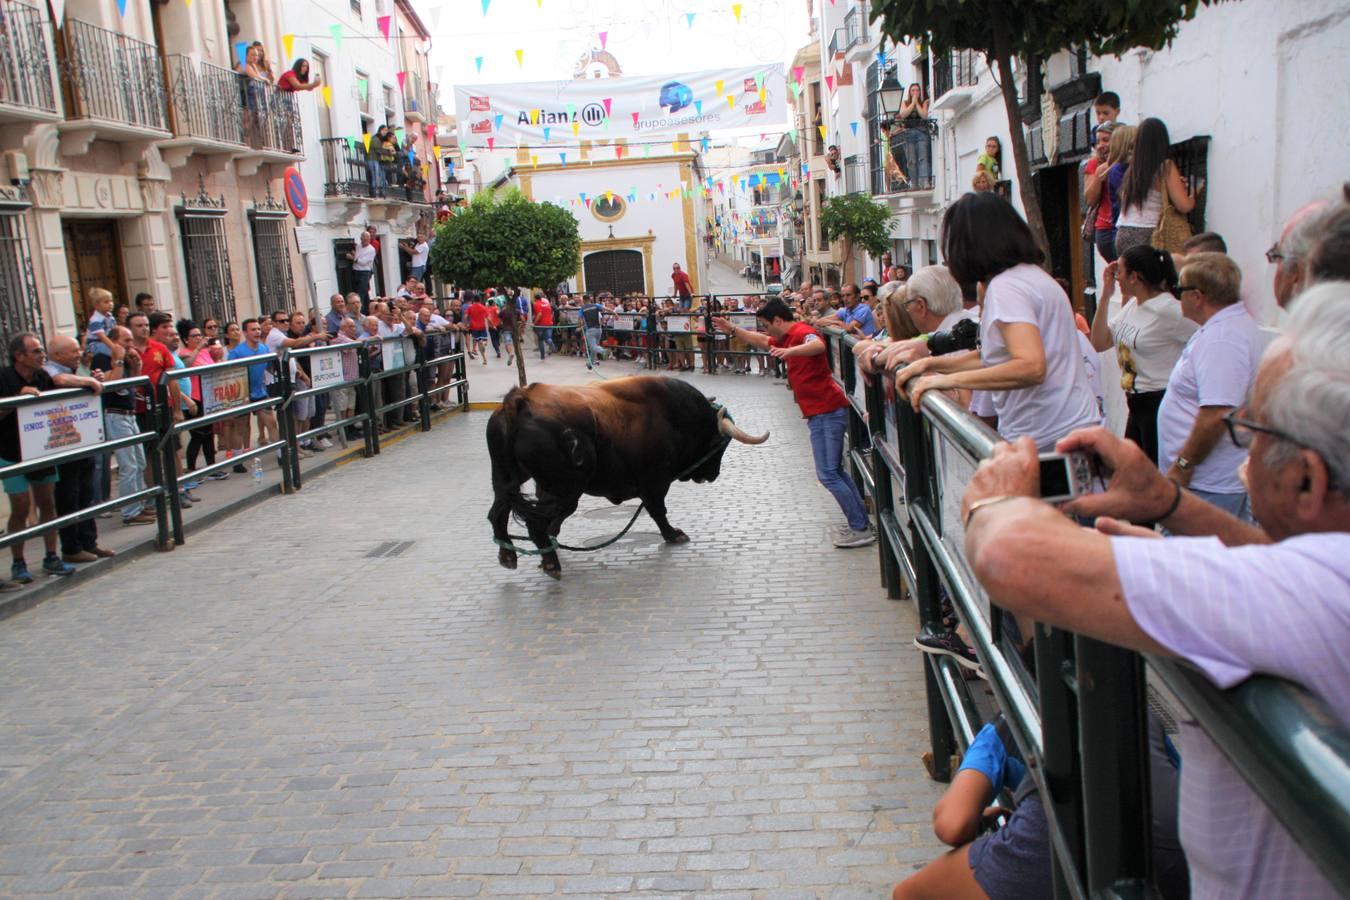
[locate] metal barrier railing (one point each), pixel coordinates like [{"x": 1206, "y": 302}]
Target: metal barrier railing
[
  {"x": 59, "y": 414},
  {"x": 226, "y": 395},
  {"x": 1080, "y": 720}
]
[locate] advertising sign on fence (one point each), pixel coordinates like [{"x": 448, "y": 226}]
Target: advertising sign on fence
[
  {"x": 59, "y": 425},
  {"x": 327, "y": 370},
  {"x": 223, "y": 390},
  {"x": 638, "y": 108},
  {"x": 397, "y": 354}
]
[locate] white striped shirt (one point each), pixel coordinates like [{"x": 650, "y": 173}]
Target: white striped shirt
[{"x": 1281, "y": 609}]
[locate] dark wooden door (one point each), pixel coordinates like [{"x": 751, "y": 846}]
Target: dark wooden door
[
  {"x": 94, "y": 257},
  {"x": 618, "y": 271}
]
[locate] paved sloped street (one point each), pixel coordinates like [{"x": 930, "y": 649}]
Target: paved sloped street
[{"x": 340, "y": 694}]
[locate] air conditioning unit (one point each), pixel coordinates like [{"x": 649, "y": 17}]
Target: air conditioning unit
[{"x": 16, "y": 167}]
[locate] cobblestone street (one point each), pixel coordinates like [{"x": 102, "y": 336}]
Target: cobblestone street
[{"x": 340, "y": 694}]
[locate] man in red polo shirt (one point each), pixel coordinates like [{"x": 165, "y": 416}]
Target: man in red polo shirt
[
  {"x": 684, "y": 289},
  {"x": 821, "y": 401},
  {"x": 543, "y": 325},
  {"x": 476, "y": 313}
]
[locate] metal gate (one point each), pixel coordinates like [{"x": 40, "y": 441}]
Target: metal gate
[
  {"x": 19, "y": 310},
  {"x": 618, "y": 271},
  {"x": 271, "y": 254},
  {"x": 206, "y": 258}
]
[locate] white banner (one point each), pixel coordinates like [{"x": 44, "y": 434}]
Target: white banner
[
  {"x": 326, "y": 369},
  {"x": 59, "y": 425},
  {"x": 224, "y": 389},
  {"x": 634, "y": 108}
]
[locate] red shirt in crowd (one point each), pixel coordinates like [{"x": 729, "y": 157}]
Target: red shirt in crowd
[
  {"x": 543, "y": 312},
  {"x": 477, "y": 314},
  {"x": 683, "y": 287},
  {"x": 1103, "y": 220},
  {"x": 810, "y": 378},
  {"x": 493, "y": 316},
  {"x": 155, "y": 358}
]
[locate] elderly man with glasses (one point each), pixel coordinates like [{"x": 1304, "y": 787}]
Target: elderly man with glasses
[
  {"x": 1225, "y": 597},
  {"x": 1210, "y": 380}
]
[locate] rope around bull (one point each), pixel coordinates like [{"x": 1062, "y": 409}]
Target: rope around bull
[{"x": 555, "y": 546}]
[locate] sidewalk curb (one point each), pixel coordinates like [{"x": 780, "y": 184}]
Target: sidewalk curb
[{"x": 54, "y": 587}]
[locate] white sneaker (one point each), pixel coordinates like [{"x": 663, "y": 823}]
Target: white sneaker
[
  {"x": 324, "y": 443},
  {"x": 857, "y": 538}
]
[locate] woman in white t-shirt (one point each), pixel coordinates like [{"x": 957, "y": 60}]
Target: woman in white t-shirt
[
  {"x": 1148, "y": 333},
  {"x": 1029, "y": 361}
]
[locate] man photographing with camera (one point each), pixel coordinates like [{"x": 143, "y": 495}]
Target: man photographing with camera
[{"x": 821, "y": 401}]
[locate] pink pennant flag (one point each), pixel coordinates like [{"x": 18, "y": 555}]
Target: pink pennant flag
[
  {"x": 635, "y": 119},
  {"x": 618, "y": 151},
  {"x": 384, "y": 22},
  {"x": 604, "y": 39},
  {"x": 402, "y": 79},
  {"x": 798, "y": 72},
  {"x": 607, "y": 102},
  {"x": 829, "y": 82},
  {"x": 490, "y": 142}
]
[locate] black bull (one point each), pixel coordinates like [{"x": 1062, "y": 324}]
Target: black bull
[{"x": 620, "y": 439}]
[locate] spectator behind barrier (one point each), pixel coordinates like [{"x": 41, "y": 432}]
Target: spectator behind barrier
[
  {"x": 933, "y": 300},
  {"x": 1329, "y": 259},
  {"x": 1223, "y": 599},
  {"x": 1147, "y": 333},
  {"x": 1209, "y": 382},
  {"x": 1028, "y": 360}
]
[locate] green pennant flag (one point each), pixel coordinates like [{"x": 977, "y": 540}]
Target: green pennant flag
[
  {"x": 336, "y": 32},
  {"x": 363, "y": 88}
]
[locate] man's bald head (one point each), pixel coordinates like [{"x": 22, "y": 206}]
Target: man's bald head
[
  {"x": 1290, "y": 253},
  {"x": 65, "y": 350}
]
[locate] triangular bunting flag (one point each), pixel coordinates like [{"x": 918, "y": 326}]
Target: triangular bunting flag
[
  {"x": 607, "y": 101},
  {"x": 497, "y": 122},
  {"x": 563, "y": 158},
  {"x": 336, "y": 32},
  {"x": 402, "y": 80},
  {"x": 534, "y": 161},
  {"x": 534, "y": 117},
  {"x": 384, "y": 22},
  {"x": 363, "y": 88},
  {"x": 854, "y": 126},
  {"x": 689, "y": 17},
  {"x": 241, "y": 52},
  {"x": 618, "y": 151},
  {"x": 821, "y": 129},
  {"x": 288, "y": 44},
  {"x": 546, "y": 131},
  {"x": 717, "y": 85},
  {"x": 736, "y": 11},
  {"x": 485, "y": 6},
  {"x": 635, "y": 120},
  {"x": 797, "y": 73},
  {"x": 604, "y": 39},
  {"x": 520, "y": 58},
  {"x": 698, "y": 107},
  {"x": 575, "y": 128},
  {"x": 365, "y": 139},
  {"x": 327, "y": 96},
  {"x": 478, "y": 64},
  {"x": 829, "y": 83},
  {"x": 731, "y": 101},
  {"x": 121, "y": 7},
  {"x": 490, "y": 142}
]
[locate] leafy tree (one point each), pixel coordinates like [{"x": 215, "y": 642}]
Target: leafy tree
[
  {"x": 1032, "y": 29},
  {"x": 502, "y": 239},
  {"x": 858, "y": 221}
]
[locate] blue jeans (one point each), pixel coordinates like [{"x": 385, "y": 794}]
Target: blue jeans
[
  {"x": 542, "y": 336},
  {"x": 593, "y": 343},
  {"x": 827, "y": 447},
  {"x": 375, "y": 173},
  {"x": 1236, "y": 504},
  {"x": 130, "y": 461}
]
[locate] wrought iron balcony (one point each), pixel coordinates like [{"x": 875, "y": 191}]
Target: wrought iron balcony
[
  {"x": 344, "y": 168},
  {"x": 114, "y": 82},
  {"x": 417, "y": 106},
  {"x": 855, "y": 27},
  {"x": 951, "y": 73},
  {"x": 903, "y": 157},
  {"x": 271, "y": 118},
  {"x": 27, "y": 85},
  {"x": 206, "y": 101}
]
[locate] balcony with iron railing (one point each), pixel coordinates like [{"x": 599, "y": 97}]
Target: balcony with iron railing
[
  {"x": 855, "y": 27},
  {"x": 206, "y": 109},
  {"x": 955, "y": 76},
  {"x": 417, "y": 106},
  {"x": 271, "y": 119},
  {"x": 855, "y": 175},
  {"x": 350, "y": 171},
  {"x": 902, "y": 156},
  {"x": 27, "y": 76},
  {"x": 113, "y": 85}
]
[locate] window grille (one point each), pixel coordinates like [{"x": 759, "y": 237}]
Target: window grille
[
  {"x": 271, "y": 254},
  {"x": 206, "y": 257},
  {"x": 19, "y": 308}
]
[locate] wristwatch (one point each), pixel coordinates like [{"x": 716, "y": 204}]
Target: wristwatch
[{"x": 1184, "y": 464}]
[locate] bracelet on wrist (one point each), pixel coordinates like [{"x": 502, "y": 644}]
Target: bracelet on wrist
[
  {"x": 987, "y": 501},
  {"x": 1171, "y": 510}
]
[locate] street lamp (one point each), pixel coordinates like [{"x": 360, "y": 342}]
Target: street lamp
[{"x": 890, "y": 97}]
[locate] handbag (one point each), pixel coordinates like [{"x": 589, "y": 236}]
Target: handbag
[
  {"x": 1089, "y": 230},
  {"x": 1172, "y": 230}
]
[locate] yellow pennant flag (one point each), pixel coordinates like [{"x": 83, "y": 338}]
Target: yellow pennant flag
[
  {"x": 534, "y": 161},
  {"x": 520, "y": 57},
  {"x": 762, "y": 94},
  {"x": 365, "y": 139},
  {"x": 575, "y": 128},
  {"x": 736, "y": 11},
  {"x": 731, "y": 101},
  {"x": 288, "y": 44},
  {"x": 436, "y": 151},
  {"x": 675, "y": 146},
  {"x": 609, "y": 196},
  {"x": 821, "y": 129},
  {"x": 718, "y": 85},
  {"x": 327, "y": 96},
  {"x": 534, "y": 117}
]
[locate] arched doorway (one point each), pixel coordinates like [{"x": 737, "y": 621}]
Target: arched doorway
[{"x": 618, "y": 271}]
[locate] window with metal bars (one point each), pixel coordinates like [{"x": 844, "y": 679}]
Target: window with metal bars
[
  {"x": 206, "y": 259},
  {"x": 271, "y": 254},
  {"x": 19, "y": 309}
]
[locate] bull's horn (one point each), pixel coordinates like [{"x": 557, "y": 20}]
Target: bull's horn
[{"x": 728, "y": 427}]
